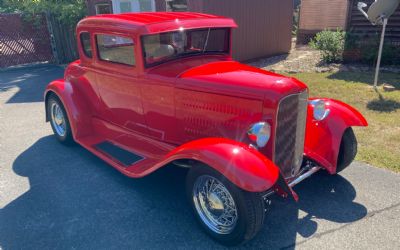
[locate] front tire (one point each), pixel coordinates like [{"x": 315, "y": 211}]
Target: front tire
[
  {"x": 59, "y": 120},
  {"x": 347, "y": 151},
  {"x": 227, "y": 213}
]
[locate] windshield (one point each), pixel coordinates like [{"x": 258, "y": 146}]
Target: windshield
[{"x": 163, "y": 47}]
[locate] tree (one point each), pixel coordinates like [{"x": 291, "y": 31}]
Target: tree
[{"x": 68, "y": 12}]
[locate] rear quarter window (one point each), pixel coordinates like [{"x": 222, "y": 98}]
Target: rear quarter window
[
  {"x": 116, "y": 49},
  {"x": 86, "y": 44}
]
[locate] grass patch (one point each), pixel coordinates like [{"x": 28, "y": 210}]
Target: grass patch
[{"x": 379, "y": 143}]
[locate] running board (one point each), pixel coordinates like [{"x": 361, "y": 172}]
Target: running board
[{"x": 117, "y": 153}]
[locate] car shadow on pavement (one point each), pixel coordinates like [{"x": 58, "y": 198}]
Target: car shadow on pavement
[
  {"x": 31, "y": 81},
  {"x": 77, "y": 201}
]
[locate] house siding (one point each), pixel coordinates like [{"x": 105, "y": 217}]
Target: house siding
[
  {"x": 264, "y": 25},
  {"x": 317, "y": 15},
  {"x": 358, "y": 24}
]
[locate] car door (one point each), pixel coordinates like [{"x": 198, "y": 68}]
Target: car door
[{"x": 117, "y": 83}]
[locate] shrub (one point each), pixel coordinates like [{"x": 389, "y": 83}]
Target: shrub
[
  {"x": 390, "y": 53},
  {"x": 363, "y": 48},
  {"x": 68, "y": 12},
  {"x": 330, "y": 43},
  {"x": 351, "y": 40}
]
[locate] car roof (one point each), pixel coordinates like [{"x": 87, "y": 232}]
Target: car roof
[{"x": 156, "y": 22}]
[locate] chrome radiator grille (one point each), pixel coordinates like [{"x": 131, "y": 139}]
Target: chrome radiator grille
[{"x": 290, "y": 132}]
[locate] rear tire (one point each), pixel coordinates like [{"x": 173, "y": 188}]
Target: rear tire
[
  {"x": 214, "y": 198},
  {"x": 59, "y": 120},
  {"x": 347, "y": 151}
]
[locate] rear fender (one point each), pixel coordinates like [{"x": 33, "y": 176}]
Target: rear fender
[
  {"x": 323, "y": 138},
  {"x": 78, "y": 110},
  {"x": 242, "y": 165}
]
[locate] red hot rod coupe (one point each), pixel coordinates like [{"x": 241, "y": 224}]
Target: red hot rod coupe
[{"x": 152, "y": 89}]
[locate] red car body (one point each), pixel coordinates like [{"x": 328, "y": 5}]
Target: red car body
[{"x": 196, "y": 108}]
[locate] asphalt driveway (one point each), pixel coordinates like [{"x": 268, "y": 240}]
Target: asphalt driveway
[{"x": 57, "y": 197}]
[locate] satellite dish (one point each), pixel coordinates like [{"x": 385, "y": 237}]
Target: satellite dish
[
  {"x": 378, "y": 13},
  {"x": 382, "y": 9},
  {"x": 379, "y": 10}
]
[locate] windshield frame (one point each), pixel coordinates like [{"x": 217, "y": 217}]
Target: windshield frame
[{"x": 172, "y": 58}]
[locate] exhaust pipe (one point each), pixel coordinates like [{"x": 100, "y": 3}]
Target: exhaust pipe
[
  {"x": 304, "y": 176},
  {"x": 296, "y": 181}
]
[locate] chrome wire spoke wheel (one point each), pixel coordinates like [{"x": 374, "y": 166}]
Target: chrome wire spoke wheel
[
  {"x": 58, "y": 119},
  {"x": 228, "y": 213},
  {"x": 214, "y": 204}
]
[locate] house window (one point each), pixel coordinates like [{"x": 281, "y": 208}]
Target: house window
[
  {"x": 176, "y": 5},
  {"x": 116, "y": 49},
  {"x": 85, "y": 42},
  {"x": 123, "y": 6},
  {"x": 103, "y": 8},
  {"x": 146, "y": 5}
]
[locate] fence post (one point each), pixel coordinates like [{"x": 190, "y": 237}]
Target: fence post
[{"x": 52, "y": 41}]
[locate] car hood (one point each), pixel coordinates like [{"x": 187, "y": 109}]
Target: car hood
[{"x": 236, "y": 79}]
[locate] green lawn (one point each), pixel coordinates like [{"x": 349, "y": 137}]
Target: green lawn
[{"x": 379, "y": 143}]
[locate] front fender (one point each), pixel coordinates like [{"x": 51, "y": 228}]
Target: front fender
[
  {"x": 77, "y": 108},
  {"x": 242, "y": 165},
  {"x": 323, "y": 138}
]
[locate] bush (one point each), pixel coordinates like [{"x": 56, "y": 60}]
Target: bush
[
  {"x": 68, "y": 12},
  {"x": 364, "y": 49},
  {"x": 330, "y": 43},
  {"x": 390, "y": 53},
  {"x": 351, "y": 41}
]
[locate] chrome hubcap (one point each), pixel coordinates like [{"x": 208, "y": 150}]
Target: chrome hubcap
[
  {"x": 214, "y": 204},
  {"x": 57, "y": 119}
]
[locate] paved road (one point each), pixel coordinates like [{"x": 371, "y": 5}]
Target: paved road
[{"x": 57, "y": 197}]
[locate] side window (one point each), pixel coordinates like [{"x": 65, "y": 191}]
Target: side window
[
  {"x": 85, "y": 42},
  {"x": 116, "y": 49}
]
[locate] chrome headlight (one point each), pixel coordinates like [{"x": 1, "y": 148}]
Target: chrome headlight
[
  {"x": 260, "y": 133},
  {"x": 320, "y": 111}
]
